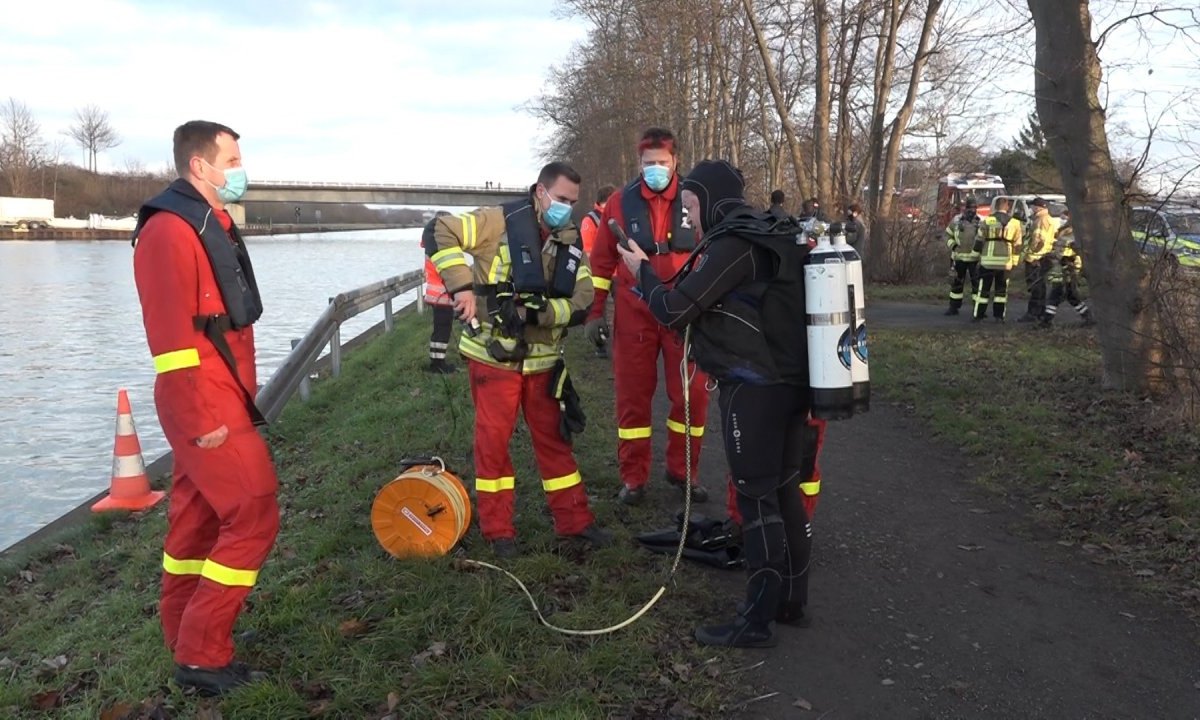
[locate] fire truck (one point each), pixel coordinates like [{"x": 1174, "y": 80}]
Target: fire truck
[{"x": 954, "y": 188}]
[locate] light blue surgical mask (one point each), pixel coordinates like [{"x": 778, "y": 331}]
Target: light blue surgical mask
[
  {"x": 557, "y": 214},
  {"x": 657, "y": 177},
  {"x": 235, "y": 185}
]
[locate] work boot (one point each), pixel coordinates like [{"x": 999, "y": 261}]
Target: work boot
[
  {"x": 1088, "y": 320},
  {"x": 950, "y": 311},
  {"x": 631, "y": 495},
  {"x": 440, "y": 367},
  {"x": 593, "y": 535},
  {"x": 211, "y": 682},
  {"x": 602, "y": 351},
  {"x": 976, "y": 319},
  {"x": 1027, "y": 318},
  {"x": 740, "y": 633},
  {"x": 505, "y": 547},
  {"x": 1000, "y": 320},
  {"x": 699, "y": 494},
  {"x": 792, "y": 613}
]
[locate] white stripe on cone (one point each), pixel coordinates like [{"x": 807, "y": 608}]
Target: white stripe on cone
[
  {"x": 128, "y": 466},
  {"x": 125, "y": 424}
]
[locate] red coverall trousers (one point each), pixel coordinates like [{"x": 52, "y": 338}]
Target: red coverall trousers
[
  {"x": 498, "y": 395},
  {"x": 638, "y": 340}
]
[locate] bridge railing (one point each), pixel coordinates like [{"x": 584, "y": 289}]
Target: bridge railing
[
  {"x": 485, "y": 187},
  {"x": 292, "y": 375}
]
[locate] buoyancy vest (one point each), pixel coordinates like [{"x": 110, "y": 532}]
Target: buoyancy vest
[
  {"x": 636, "y": 211},
  {"x": 226, "y": 251},
  {"x": 524, "y": 240},
  {"x": 756, "y": 333}
]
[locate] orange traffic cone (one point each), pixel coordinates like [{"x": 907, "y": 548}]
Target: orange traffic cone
[{"x": 130, "y": 489}]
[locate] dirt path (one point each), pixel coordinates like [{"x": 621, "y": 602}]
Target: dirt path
[
  {"x": 936, "y": 599},
  {"x": 927, "y": 316}
]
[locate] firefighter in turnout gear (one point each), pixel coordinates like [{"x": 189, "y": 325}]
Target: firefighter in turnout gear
[
  {"x": 649, "y": 211},
  {"x": 1001, "y": 236},
  {"x": 437, "y": 298},
  {"x": 1063, "y": 276},
  {"x": 962, "y": 239},
  {"x": 530, "y": 282},
  {"x": 199, "y": 303},
  {"x": 1037, "y": 258}
]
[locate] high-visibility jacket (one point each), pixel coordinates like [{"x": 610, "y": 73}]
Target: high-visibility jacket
[
  {"x": 483, "y": 234},
  {"x": 1001, "y": 242},
  {"x": 435, "y": 289},
  {"x": 961, "y": 238},
  {"x": 1041, "y": 237},
  {"x": 588, "y": 227}
]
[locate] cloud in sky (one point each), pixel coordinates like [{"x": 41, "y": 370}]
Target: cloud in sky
[{"x": 365, "y": 91}]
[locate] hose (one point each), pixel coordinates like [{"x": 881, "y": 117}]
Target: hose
[{"x": 686, "y": 377}]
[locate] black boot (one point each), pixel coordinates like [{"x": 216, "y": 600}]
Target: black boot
[
  {"x": 440, "y": 367},
  {"x": 699, "y": 494},
  {"x": 792, "y": 613},
  {"x": 211, "y": 682},
  {"x": 753, "y": 625},
  {"x": 593, "y": 535},
  {"x": 951, "y": 311},
  {"x": 631, "y": 496},
  {"x": 505, "y": 547}
]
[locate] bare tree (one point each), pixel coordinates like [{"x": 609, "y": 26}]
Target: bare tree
[
  {"x": 21, "y": 146},
  {"x": 93, "y": 133}
]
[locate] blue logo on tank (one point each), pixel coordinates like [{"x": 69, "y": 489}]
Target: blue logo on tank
[
  {"x": 844, "y": 349},
  {"x": 860, "y": 343}
]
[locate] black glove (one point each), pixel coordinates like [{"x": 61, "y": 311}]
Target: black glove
[
  {"x": 572, "y": 420},
  {"x": 507, "y": 318}
]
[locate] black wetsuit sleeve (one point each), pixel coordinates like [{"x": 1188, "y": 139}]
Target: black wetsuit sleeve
[{"x": 724, "y": 266}]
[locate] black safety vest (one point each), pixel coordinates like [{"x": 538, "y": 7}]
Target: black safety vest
[
  {"x": 525, "y": 253},
  {"x": 680, "y": 238},
  {"x": 226, "y": 251},
  {"x": 756, "y": 332}
]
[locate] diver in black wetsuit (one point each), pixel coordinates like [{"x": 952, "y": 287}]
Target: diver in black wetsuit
[{"x": 743, "y": 296}]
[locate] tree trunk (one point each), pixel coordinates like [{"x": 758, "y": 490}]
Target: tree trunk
[
  {"x": 885, "y": 58},
  {"x": 823, "y": 110},
  {"x": 847, "y": 186},
  {"x": 1067, "y": 78},
  {"x": 785, "y": 118}
]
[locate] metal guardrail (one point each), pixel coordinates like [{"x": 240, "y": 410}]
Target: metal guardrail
[
  {"x": 263, "y": 184},
  {"x": 292, "y": 375}
]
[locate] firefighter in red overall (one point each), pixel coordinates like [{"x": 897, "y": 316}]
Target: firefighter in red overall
[
  {"x": 531, "y": 281},
  {"x": 199, "y": 303},
  {"x": 649, "y": 210}
]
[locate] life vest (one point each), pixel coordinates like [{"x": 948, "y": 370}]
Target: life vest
[
  {"x": 756, "y": 333},
  {"x": 524, "y": 238},
  {"x": 680, "y": 238},
  {"x": 226, "y": 251},
  {"x": 997, "y": 251},
  {"x": 966, "y": 239},
  {"x": 231, "y": 268}
]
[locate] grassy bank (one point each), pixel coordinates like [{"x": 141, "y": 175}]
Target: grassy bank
[
  {"x": 348, "y": 632},
  {"x": 1115, "y": 474}
]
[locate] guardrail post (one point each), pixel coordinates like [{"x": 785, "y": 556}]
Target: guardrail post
[
  {"x": 387, "y": 315},
  {"x": 335, "y": 350},
  {"x": 420, "y": 302},
  {"x": 305, "y": 388}
]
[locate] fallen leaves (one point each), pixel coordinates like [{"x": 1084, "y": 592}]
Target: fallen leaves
[
  {"x": 802, "y": 704},
  {"x": 119, "y": 711},
  {"x": 972, "y": 547},
  {"x": 47, "y": 700},
  {"x": 436, "y": 650},
  {"x": 353, "y": 628}
]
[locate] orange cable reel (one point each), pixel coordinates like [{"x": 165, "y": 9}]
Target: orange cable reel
[{"x": 424, "y": 512}]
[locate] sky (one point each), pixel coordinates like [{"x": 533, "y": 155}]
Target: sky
[
  {"x": 428, "y": 91},
  {"x": 419, "y": 91}
]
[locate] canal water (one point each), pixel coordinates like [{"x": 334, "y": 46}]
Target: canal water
[{"x": 71, "y": 336}]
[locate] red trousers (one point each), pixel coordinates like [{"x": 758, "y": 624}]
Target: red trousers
[
  {"x": 222, "y": 522},
  {"x": 498, "y": 395},
  {"x": 638, "y": 340},
  {"x": 810, "y": 486}
]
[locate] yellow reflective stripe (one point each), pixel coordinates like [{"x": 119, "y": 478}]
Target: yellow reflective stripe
[
  {"x": 175, "y": 566},
  {"x": 499, "y": 269},
  {"x": 470, "y": 236},
  {"x": 636, "y": 433},
  {"x": 225, "y": 575},
  {"x": 496, "y": 485},
  {"x": 601, "y": 283},
  {"x": 562, "y": 483},
  {"x": 562, "y": 310},
  {"x": 448, "y": 258},
  {"x": 584, "y": 272},
  {"x": 810, "y": 488},
  {"x": 697, "y": 431},
  {"x": 177, "y": 360}
]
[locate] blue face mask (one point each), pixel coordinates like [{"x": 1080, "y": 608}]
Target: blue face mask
[
  {"x": 234, "y": 187},
  {"x": 657, "y": 177},
  {"x": 557, "y": 214}
]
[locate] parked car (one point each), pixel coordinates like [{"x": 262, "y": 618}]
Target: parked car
[
  {"x": 1019, "y": 206},
  {"x": 1171, "y": 232}
]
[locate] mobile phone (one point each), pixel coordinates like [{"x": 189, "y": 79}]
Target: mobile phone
[{"x": 621, "y": 236}]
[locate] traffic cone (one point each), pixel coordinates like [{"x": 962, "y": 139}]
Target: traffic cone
[{"x": 130, "y": 489}]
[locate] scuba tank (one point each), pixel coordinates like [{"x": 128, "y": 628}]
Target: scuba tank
[
  {"x": 829, "y": 300},
  {"x": 859, "y": 372}
]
